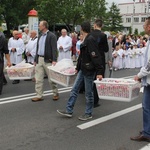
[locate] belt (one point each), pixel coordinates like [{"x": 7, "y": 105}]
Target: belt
[{"x": 40, "y": 55}]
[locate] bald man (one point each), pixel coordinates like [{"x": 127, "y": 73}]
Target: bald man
[
  {"x": 31, "y": 47},
  {"x": 16, "y": 49},
  {"x": 64, "y": 45}
]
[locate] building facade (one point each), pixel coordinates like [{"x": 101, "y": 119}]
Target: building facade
[{"x": 134, "y": 14}]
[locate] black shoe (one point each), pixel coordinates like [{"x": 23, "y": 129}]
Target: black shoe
[
  {"x": 64, "y": 113},
  {"x": 4, "y": 83},
  {"x": 96, "y": 105},
  {"x": 15, "y": 81}
]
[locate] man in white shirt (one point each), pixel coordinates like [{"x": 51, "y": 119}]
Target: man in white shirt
[
  {"x": 64, "y": 45},
  {"x": 16, "y": 49},
  {"x": 31, "y": 47}
]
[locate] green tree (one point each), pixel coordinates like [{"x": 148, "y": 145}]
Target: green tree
[
  {"x": 142, "y": 33},
  {"x": 94, "y": 9},
  {"x": 130, "y": 30},
  {"x": 55, "y": 11},
  {"x": 114, "y": 22},
  {"x": 70, "y": 11},
  {"x": 14, "y": 12},
  {"x": 136, "y": 31}
]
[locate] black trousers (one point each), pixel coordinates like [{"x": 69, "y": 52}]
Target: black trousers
[
  {"x": 96, "y": 97},
  {"x": 4, "y": 79},
  {"x": 1, "y": 75}
]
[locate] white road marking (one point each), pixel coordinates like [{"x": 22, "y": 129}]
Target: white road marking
[
  {"x": 27, "y": 98},
  {"x": 147, "y": 147},
  {"x": 108, "y": 117},
  {"x": 31, "y": 94}
]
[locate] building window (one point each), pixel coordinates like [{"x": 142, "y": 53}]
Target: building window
[
  {"x": 143, "y": 19},
  {"x": 136, "y": 19},
  {"x": 128, "y": 20}
]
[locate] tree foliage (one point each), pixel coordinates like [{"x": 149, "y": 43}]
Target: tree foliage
[
  {"x": 14, "y": 12},
  {"x": 114, "y": 20},
  {"x": 136, "y": 31},
  {"x": 70, "y": 11}
]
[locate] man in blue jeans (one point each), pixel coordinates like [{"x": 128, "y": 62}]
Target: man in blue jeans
[
  {"x": 144, "y": 74},
  {"x": 89, "y": 63}
]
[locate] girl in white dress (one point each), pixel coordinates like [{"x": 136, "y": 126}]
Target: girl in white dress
[
  {"x": 137, "y": 56},
  {"x": 116, "y": 58},
  {"x": 125, "y": 59},
  {"x": 120, "y": 58},
  {"x": 142, "y": 52},
  {"x": 132, "y": 57}
]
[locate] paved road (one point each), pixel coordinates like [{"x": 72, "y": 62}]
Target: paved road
[{"x": 25, "y": 125}]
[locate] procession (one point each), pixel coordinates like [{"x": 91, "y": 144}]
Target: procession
[{"x": 60, "y": 84}]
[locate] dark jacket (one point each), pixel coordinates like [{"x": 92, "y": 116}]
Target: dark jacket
[
  {"x": 50, "y": 53},
  {"x": 3, "y": 46},
  {"x": 89, "y": 60},
  {"x": 101, "y": 39}
]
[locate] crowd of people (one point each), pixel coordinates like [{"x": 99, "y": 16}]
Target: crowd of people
[
  {"x": 128, "y": 51},
  {"x": 96, "y": 52}
]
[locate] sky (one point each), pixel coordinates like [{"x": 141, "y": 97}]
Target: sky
[{"x": 119, "y": 1}]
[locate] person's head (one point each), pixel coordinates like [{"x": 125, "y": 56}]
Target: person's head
[
  {"x": 33, "y": 34},
  {"x": 141, "y": 45},
  {"x": 146, "y": 26},
  {"x": 135, "y": 45},
  {"x": 117, "y": 46},
  {"x": 43, "y": 26},
  {"x": 63, "y": 32},
  {"x": 120, "y": 38},
  {"x": 86, "y": 27},
  {"x": 73, "y": 35},
  {"x": 98, "y": 23},
  {"x": 26, "y": 30},
  {"x": 127, "y": 40},
  {"x": 15, "y": 34},
  {"x": 81, "y": 37}
]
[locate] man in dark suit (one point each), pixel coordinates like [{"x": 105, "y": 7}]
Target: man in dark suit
[
  {"x": 101, "y": 40},
  {"x": 3, "y": 50}
]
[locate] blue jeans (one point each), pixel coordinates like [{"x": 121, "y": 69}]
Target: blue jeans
[
  {"x": 146, "y": 111},
  {"x": 88, "y": 82}
]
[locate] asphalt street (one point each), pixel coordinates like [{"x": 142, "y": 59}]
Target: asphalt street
[{"x": 26, "y": 125}]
